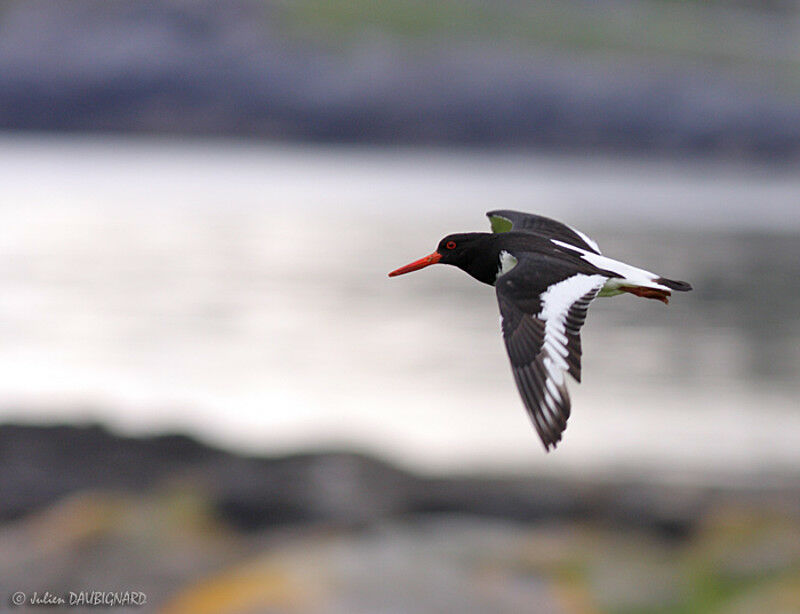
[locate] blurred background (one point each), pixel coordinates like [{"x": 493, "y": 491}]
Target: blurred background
[{"x": 211, "y": 392}]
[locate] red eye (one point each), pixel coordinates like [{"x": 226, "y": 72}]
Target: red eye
[{"x": 451, "y": 245}]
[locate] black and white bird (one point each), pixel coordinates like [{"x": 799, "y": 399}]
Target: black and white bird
[{"x": 545, "y": 274}]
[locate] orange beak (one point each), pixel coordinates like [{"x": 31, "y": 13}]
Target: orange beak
[{"x": 418, "y": 264}]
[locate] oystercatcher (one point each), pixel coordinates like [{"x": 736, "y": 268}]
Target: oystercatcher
[{"x": 545, "y": 274}]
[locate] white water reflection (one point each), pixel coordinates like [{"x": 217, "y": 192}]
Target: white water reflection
[{"x": 240, "y": 293}]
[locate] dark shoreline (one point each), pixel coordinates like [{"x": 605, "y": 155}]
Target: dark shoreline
[
  {"x": 185, "y": 524},
  {"x": 40, "y": 465}
]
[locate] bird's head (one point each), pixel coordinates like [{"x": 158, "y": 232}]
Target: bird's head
[{"x": 465, "y": 250}]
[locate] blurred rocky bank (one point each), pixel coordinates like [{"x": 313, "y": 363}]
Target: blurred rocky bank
[
  {"x": 198, "y": 529},
  {"x": 680, "y": 78}
]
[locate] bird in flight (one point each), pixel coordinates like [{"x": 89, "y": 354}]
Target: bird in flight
[{"x": 545, "y": 274}]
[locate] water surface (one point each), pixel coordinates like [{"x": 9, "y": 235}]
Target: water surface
[{"x": 239, "y": 292}]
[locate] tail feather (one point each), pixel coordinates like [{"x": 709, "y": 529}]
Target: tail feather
[{"x": 680, "y": 286}]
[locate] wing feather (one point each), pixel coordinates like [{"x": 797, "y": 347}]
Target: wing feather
[
  {"x": 541, "y": 330},
  {"x": 505, "y": 220}
]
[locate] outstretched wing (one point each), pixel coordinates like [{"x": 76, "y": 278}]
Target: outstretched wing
[
  {"x": 541, "y": 329},
  {"x": 506, "y": 221}
]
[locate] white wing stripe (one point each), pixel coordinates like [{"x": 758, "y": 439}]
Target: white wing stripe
[
  {"x": 552, "y": 388},
  {"x": 554, "y": 367},
  {"x": 556, "y": 303},
  {"x": 590, "y": 242},
  {"x": 560, "y": 348},
  {"x": 558, "y": 332},
  {"x": 628, "y": 273}
]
